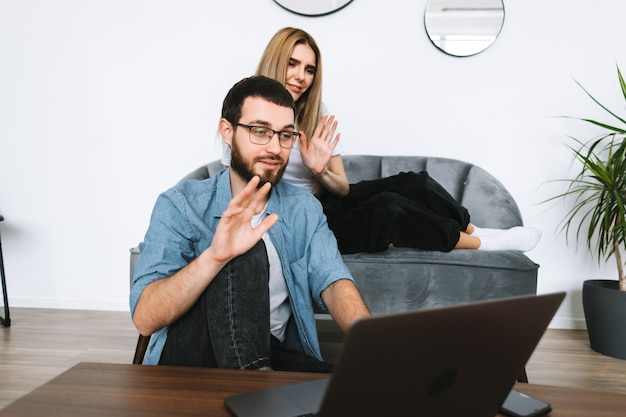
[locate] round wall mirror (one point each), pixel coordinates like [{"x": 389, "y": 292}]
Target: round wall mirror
[
  {"x": 313, "y": 7},
  {"x": 463, "y": 27}
]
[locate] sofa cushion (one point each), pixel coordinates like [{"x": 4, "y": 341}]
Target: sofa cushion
[{"x": 401, "y": 279}]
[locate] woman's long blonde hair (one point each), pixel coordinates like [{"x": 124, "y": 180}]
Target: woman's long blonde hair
[{"x": 274, "y": 63}]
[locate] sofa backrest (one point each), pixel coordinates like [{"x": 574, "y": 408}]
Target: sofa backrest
[{"x": 490, "y": 204}]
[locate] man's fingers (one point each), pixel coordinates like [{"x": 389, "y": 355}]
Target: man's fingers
[
  {"x": 267, "y": 224},
  {"x": 258, "y": 197},
  {"x": 247, "y": 191},
  {"x": 250, "y": 195}
]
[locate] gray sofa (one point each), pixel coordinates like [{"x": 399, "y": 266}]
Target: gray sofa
[{"x": 401, "y": 279}]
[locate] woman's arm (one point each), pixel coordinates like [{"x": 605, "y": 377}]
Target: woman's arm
[
  {"x": 317, "y": 155},
  {"x": 333, "y": 177}
]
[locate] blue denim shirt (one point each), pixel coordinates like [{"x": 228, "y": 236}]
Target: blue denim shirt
[{"x": 182, "y": 225}]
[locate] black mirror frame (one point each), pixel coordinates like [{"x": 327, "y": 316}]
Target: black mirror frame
[
  {"x": 468, "y": 55},
  {"x": 312, "y": 15}
]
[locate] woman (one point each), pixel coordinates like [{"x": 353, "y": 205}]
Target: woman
[{"x": 408, "y": 209}]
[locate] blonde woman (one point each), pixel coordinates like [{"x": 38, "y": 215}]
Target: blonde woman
[{"x": 408, "y": 209}]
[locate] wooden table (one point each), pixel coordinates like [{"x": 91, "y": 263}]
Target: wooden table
[{"x": 95, "y": 389}]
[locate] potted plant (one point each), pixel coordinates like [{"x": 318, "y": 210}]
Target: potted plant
[{"x": 599, "y": 215}]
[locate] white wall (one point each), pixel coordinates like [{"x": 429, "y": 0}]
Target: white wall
[{"x": 104, "y": 104}]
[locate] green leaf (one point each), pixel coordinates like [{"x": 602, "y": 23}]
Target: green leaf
[{"x": 598, "y": 189}]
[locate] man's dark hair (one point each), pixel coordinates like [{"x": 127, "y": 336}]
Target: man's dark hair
[{"x": 255, "y": 86}]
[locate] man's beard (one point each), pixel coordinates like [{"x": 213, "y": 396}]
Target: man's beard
[{"x": 244, "y": 168}]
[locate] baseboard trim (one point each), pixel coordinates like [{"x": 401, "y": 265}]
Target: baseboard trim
[{"x": 70, "y": 303}]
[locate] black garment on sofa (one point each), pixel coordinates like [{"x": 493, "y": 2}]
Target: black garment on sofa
[{"x": 409, "y": 210}]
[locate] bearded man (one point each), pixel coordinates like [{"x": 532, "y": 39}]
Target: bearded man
[{"x": 231, "y": 267}]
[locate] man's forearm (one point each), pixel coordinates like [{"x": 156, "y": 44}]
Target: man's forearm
[
  {"x": 345, "y": 304},
  {"x": 164, "y": 301}
]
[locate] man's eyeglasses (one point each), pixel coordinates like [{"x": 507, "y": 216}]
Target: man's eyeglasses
[{"x": 261, "y": 135}]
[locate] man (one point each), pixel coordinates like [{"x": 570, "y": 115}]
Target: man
[{"x": 230, "y": 267}]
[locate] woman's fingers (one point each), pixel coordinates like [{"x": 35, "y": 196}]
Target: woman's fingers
[{"x": 326, "y": 128}]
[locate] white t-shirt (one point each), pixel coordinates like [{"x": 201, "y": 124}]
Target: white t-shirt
[{"x": 296, "y": 172}]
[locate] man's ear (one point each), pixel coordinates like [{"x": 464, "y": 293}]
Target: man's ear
[{"x": 226, "y": 131}]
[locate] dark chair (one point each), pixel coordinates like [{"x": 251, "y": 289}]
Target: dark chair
[
  {"x": 140, "y": 350},
  {"x": 6, "y": 320},
  {"x": 142, "y": 341}
]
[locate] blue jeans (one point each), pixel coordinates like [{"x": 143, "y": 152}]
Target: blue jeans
[{"x": 229, "y": 325}]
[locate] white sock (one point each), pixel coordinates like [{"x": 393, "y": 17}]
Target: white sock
[
  {"x": 516, "y": 238},
  {"x": 485, "y": 231}
]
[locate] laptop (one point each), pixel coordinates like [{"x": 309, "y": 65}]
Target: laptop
[{"x": 446, "y": 361}]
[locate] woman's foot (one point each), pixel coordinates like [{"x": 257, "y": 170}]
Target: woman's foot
[
  {"x": 485, "y": 231},
  {"x": 517, "y": 238}
]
